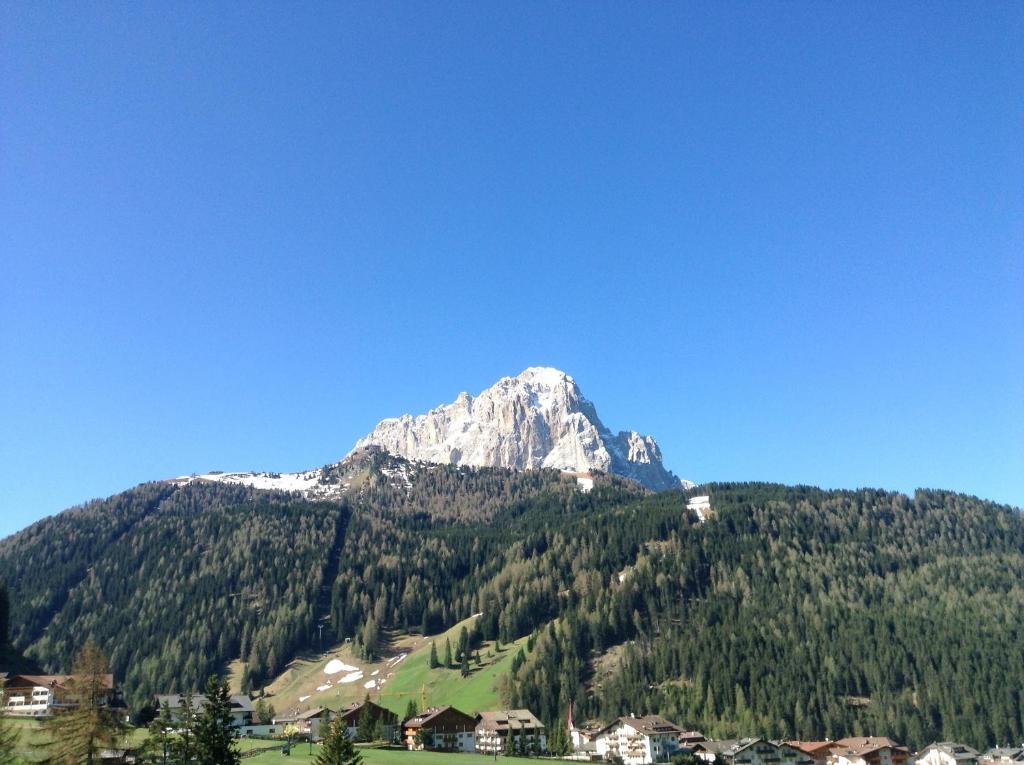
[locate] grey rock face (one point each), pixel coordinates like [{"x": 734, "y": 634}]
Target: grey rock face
[{"x": 537, "y": 419}]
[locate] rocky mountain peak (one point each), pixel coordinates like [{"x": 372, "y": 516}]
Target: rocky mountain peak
[{"x": 536, "y": 419}]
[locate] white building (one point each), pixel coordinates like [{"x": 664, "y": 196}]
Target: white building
[
  {"x": 638, "y": 740},
  {"x": 241, "y": 706},
  {"x": 948, "y": 753},
  {"x": 1009, "y": 755},
  {"x": 510, "y": 731},
  {"x": 43, "y": 695},
  {"x": 868, "y": 750}
]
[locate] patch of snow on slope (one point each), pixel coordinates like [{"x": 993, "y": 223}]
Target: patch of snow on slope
[{"x": 334, "y": 666}]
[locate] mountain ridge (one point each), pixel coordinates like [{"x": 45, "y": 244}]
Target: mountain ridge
[{"x": 537, "y": 419}]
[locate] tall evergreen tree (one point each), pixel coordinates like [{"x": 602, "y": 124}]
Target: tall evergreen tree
[
  {"x": 183, "y": 746},
  {"x": 364, "y": 724},
  {"x": 447, "y": 653},
  {"x": 215, "y": 734},
  {"x": 160, "y": 743},
  {"x": 79, "y": 733},
  {"x": 434, "y": 664},
  {"x": 337, "y": 748},
  {"x": 8, "y": 734},
  {"x": 5, "y": 615},
  {"x": 411, "y": 709}
]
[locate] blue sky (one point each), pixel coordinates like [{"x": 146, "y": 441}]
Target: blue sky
[{"x": 784, "y": 238}]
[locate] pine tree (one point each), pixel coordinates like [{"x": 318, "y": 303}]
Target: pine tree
[
  {"x": 5, "y": 616},
  {"x": 215, "y": 735},
  {"x": 78, "y": 734},
  {"x": 434, "y": 664},
  {"x": 183, "y": 747},
  {"x": 161, "y": 735},
  {"x": 447, "y": 653},
  {"x": 337, "y": 748},
  {"x": 364, "y": 725},
  {"x": 8, "y": 734},
  {"x": 411, "y": 709},
  {"x": 465, "y": 664}
]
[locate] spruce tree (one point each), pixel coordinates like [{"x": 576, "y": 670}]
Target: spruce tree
[
  {"x": 5, "y": 616},
  {"x": 364, "y": 725},
  {"x": 337, "y": 747},
  {"x": 183, "y": 747},
  {"x": 215, "y": 734},
  {"x": 159, "y": 744},
  {"x": 447, "y": 653},
  {"x": 8, "y": 734},
  {"x": 434, "y": 664},
  {"x": 411, "y": 709}
]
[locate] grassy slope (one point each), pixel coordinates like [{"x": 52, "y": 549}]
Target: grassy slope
[
  {"x": 477, "y": 692},
  {"x": 300, "y": 756}
]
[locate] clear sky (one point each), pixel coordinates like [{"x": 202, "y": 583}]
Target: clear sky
[{"x": 784, "y": 238}]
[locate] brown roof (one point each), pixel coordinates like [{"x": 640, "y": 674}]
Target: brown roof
[
  {"x": 811, "y": 747},
  {"x": 861, "y": 745},
  {"x": 648, "y": 725},
  {"x": 353, "y": 710},
  {"x": 429, "y": 714},
  {"x": 509, "y": 718},
  {"x": 48, "y": 680}
]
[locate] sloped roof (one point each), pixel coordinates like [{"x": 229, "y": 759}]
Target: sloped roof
[
  {"x": 728, "y": 747},
  {"x": 239, "y": 702},
  {"x": 426, "y": 716},
  {"x": 47, "y": 680},
  {"x": 954, "y": 750},
  {"x": 353, "y": 710},
  {"x": 1012, "y": 753},
  {"x": 858, "y": 746},
  {"x": 810, "y": 747},
  {"x": 509, "y": 718},
  {"x": 649, "y": 725}
]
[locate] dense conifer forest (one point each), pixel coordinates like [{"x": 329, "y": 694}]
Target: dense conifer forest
[{"x": 793, "y": 612}]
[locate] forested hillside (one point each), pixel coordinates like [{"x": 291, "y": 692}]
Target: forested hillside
[
  {"x": 803, "y": 613},
  {"x": 792, "y": 612}
]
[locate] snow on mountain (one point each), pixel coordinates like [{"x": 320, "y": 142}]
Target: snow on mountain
[{"x": 537, "y": 419}]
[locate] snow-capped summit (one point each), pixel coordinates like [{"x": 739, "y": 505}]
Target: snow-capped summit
[{"x": 536, "y": 419}]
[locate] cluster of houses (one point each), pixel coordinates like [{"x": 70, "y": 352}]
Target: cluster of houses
[{"x": 631, "y": 740}]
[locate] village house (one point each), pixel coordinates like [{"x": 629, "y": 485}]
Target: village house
[
  {"x": 752, "y": 751},
  {"x": 819, "y": 751},
  {"x": 445, "y": 728},
  {"x": 354, "y": 712},
  {"x": 510, "y": 731},
  {"x": 868, "y": 750},
  {"x": 690, "y": 738},
  {"x": 1003, "y": 755},
  {"x": 308, "y": 723},
  {"x": 241, "y": 706},
  {"x": 44, "y": 695},
  {"x": 638, "y": 740},
  {"x": 948, "y": 753}
]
